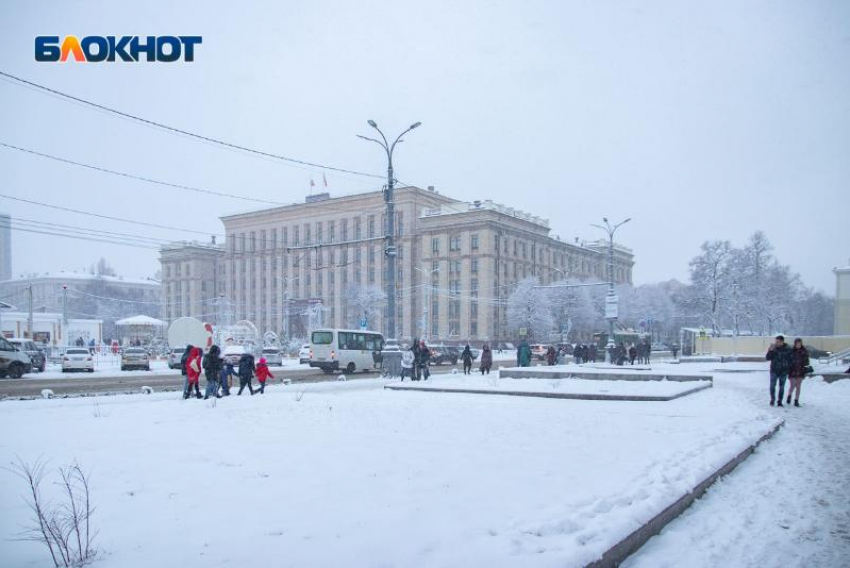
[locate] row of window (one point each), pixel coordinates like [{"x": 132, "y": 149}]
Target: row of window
[{"x": 313, "y": 233}]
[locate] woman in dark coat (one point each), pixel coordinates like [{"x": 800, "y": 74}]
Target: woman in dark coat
[
  {"x": 551, "y": 356},
  {"x": 799, "y": 362},
  {"x": 486, "y": 359}
]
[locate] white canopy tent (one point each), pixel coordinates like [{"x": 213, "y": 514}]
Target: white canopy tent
[{"x": 140, "y": 329}]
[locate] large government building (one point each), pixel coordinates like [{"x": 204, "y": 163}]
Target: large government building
[{"x": 321, "y": 263}]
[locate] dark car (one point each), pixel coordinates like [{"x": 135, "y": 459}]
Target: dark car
[
  {"x": 39, "y": 361},
  {"x": 442, "y": 354},
  {"x": 13, "y": 362}
]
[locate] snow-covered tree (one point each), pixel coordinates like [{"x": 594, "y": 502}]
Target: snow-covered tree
[
  {"x": 711, "y": 281},
  {"x": 364, "y": 301},
  {"x": 531, "y": 308}
]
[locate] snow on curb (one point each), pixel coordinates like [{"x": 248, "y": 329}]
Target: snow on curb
[{"x": 618, "y": 553}]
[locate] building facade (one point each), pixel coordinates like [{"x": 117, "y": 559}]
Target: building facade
[
  {"x": 842, "y": 300},
  {"x": 457, "y": 264}
]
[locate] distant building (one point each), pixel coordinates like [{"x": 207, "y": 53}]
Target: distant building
[
  {"x": 458, "y": 263},
  {"x": 47, "y": 290},
  {"x": 842, "y": 300},
  {"x": 5, "y": 246},
  {"x": 48, "y": 330}
]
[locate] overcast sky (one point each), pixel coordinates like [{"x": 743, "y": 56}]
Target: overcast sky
[{"x": 699, "y": 120}]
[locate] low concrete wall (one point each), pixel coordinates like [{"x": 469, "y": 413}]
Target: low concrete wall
[
  {"x": 568, "y": 396},
  {"x": 577, "y": 373},
  {"x": 618, "y": 553}
]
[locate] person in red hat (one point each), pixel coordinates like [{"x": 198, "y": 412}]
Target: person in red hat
[{"x": 263, "y": 373}]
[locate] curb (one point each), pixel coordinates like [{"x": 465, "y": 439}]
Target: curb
[
  {"x": 618, "y": 553},
  {"x": 636, "y": 398}
]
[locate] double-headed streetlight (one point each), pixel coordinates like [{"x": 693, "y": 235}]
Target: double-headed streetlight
[
  {"x": 611, "y": 301},
  {"x": 390, "y": 249}
]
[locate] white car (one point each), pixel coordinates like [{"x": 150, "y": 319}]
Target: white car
[
  {"x": 272, "y": 356},
  {"x": 175, "y": 356},
  {"x": 232, "y": 354},
  {"x": 77, "y": 359},
  {"x": 304, "y": 354}
]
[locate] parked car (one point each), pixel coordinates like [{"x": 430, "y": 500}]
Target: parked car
[
  {"x": 538, "y": 351},
  {"x": 304, "y": 354},
  {"x": 77, "y": 359},
  {"x": 232, "y": 353},
  {"x": 135, "y": 358},
  {"x": 273, "y": 356},
  {"x": 39, "y": 361},
  {"x": 13, "y": 362},
  {"x": 441, "y": 354},
  {"x": 175, "y": 356}
]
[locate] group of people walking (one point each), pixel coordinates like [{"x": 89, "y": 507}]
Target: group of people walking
[
  {"x": 787, "y": 363},
  {"x": 416, "y": 360},
  {"x": 486, "y": 360},
  {"x": 219, "y": 373}
]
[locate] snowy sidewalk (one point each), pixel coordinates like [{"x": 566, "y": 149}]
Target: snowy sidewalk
[{"x": 788, "y": 505}]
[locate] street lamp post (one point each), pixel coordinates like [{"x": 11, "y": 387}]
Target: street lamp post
[
  {"x": 426, "y": 309},
  {"x": 390, "y": 250},
  {"x": 611, "y": 302}
]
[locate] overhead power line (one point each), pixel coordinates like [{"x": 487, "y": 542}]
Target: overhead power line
[
  {"x": 70, "y": 210},
  {"x": 180, "y": 131},
  {"x": 145, "y": 179},
  {"x": 138, "y": 177}
]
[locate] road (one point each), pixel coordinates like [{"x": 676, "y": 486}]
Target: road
[{"x": 75, "y": 385}]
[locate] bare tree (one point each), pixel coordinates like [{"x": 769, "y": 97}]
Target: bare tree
[{"x": 65, "y": 528}]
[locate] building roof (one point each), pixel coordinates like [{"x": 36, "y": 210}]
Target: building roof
[
  {"x": 141, "y": 321},
  {"x": 80, "y": 276}
]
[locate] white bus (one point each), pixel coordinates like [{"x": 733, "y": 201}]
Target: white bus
[{"x": 345, "y": 349}]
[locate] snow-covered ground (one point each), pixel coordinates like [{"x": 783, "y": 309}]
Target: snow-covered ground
[
  {"x": 349, "y": 474},
  {"x": 788, "y": 505}
]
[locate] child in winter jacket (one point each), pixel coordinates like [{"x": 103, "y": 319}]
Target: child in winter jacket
[
  {"x": 408, "y": 358},
  {"x": 193, "y": 373},
  {"x": 262, "y": 371}
]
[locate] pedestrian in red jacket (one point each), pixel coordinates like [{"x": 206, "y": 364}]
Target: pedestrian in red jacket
[
  {"x": 193, "y": 373},
  {"x": 262, "y": 371}
]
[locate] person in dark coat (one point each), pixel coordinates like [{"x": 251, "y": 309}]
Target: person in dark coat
[
  {"x": 183, "y": 361},
  {"x": 551, "y": 356},
  {"x": 466, "y": 357},
  {"x": 647, "y": 352},
  {"x": 632, "y": 354},
  {"x": 486, "y": 359},
  {"x": 523, "y": 354},
  {"x": 590, "y": 355},
  {"x": 423, "y": 358},
  {"x": 246, "y": 373},
  {"x": 799, "y": 362},
  {"x": 779, "y": 356},
  {"x": 212, "y": 371},
  {"x": 578, "y": 354}
]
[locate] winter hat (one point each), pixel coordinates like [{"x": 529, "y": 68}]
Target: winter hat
[
  {"x": 262, "y": 360},
  {"x": 780, "y": 337}
]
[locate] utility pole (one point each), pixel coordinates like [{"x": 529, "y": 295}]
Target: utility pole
[
  {"x": 390, "y": 249},
  {"x": 29, "y": 318},
  {"x": 65, "y": 314},
  {"x": 611, "y": 301}
]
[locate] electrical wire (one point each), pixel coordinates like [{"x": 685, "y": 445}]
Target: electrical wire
[{"x": 180, "y": 131}]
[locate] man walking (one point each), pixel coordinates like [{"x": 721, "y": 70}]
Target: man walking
[{"x": 779, "y": 356}]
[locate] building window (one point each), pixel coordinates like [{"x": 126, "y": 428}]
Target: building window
[
  {"x": 371, "y": 254},
  {"x": 357, "y": 234},
  {"x": 319, "y": 232},
  {"x": 274, "y": 238},
  {"x": 285, "y": 237},
  {"x": 296, "y": 235},
  {"x": 307, "y": 236},
  {"x": 473, "y": 266},
  {"x": 332, "y": 231},
  {"x": 435, "y": 245},
  {"x": 399, "y": 225},
  {"x": 454, "y": 266},
  {"x": 454, "y": 243},
  {"x": 371, "y": 229},
  {"x": 435, "y": 266},
  {"x": 473, "y": 241},
  {"x": 253, "y": 241}
]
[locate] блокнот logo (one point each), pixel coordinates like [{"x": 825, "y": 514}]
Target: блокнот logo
[{"x": 95, "y": 49}]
